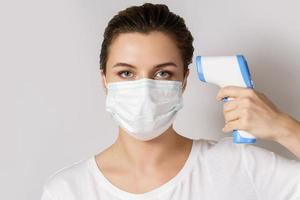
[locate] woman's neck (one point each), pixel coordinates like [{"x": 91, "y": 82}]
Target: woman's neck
[{"x": 145, "y": 155}]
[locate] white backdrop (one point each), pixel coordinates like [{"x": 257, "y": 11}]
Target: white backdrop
[{"x": 52, "y": 103}]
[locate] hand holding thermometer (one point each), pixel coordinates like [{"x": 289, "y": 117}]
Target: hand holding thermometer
[{"x": 223, "y": 71}]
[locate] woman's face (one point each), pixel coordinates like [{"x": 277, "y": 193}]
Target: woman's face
[{"x": 134, "y": 56}]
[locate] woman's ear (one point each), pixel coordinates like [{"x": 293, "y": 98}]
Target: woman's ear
[
  {"x": 185, "y": 79},
  {"x": 104, "y": 83}
]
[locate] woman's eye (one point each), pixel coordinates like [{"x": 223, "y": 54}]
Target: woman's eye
[
  {"x": 164, "y": 74},
  {"x": 124, "y": 74},
  {"x": 160, "y": 74}
]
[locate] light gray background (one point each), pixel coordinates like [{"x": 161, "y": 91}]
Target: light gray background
[{"x": 52, "y": 110}]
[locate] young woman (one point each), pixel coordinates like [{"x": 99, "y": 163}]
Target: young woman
[{"x": 144, "y": 68}]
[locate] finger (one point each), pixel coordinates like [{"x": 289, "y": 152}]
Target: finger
[
  {"x": 232, "y": 125},
  {"x": 232, "y": 91},
  {"x": 230, "y": 105},
  {"x": 231, "y": 115}
]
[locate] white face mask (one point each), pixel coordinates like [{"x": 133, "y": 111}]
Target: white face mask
[{"x": 144, "y": 108}]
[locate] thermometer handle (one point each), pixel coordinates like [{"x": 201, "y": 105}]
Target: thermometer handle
[{"x": 241, "y": 136}]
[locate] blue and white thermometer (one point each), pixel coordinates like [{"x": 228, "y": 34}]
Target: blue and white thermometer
[{"x": 223, "y": 71}]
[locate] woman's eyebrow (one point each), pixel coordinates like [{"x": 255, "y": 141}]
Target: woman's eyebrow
[
  {"x": 120, "y": 64},
  {"x": 166, "y": 64}
]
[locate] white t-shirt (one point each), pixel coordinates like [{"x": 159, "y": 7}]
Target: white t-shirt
[{"x": 213, "y": 171}]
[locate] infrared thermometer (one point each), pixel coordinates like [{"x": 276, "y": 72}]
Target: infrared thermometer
[{"x": 223, "y": 71}]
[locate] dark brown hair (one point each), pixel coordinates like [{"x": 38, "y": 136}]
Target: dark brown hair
[{"x": 144, "y": 19}]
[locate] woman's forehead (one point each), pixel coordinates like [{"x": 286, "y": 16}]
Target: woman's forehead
[{"x": 146, "y": 49}]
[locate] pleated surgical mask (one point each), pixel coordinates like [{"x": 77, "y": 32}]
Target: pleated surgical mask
[{"x": 144, "y": 108}]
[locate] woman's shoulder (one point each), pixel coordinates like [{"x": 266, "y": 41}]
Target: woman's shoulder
[
  {"x": 226, "y": 146},
  {"x": 75, "y": 172},
  {"x": 215, "y": 146},
  {"x": 225, "y": 150}
]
